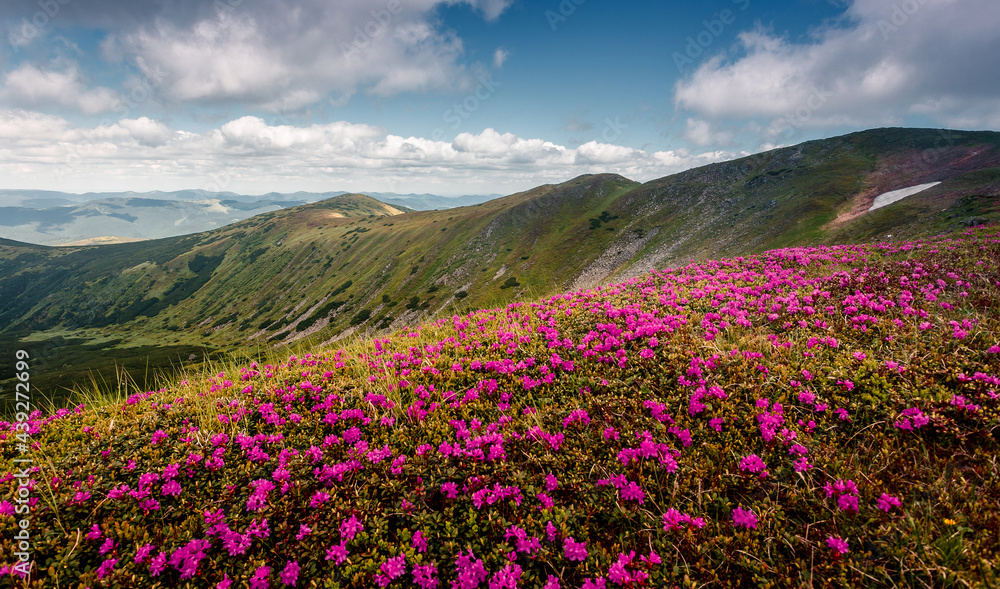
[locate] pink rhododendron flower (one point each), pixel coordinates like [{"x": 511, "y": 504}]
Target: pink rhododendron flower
[
  {"x": 575, "y": 550},
  {"x": 106, "y": 567},
  {"x": 745, "y": 518},
  {"x": 259, "y": 580},
  {"x": 350, "y": 527},
  {"x": 886, "y": 502},
  {"x": 419, "y": 542},
  {"x": 837, "y": 544},
  {"x": 424, "y": 576},
  {"x": 290, "y": 574},
  {"x": 337, "y": 553},
  {"x": 754, "y": 464}
]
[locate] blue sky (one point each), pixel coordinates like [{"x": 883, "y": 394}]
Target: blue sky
[{"x": 461, "y": 97}]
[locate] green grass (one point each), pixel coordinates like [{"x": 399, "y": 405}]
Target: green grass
[
  {"x": 220, "y": 288},
  {"x": 943, "y": 533}
]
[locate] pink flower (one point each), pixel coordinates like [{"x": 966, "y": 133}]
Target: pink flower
[
  {"x": 391, "y": 568},
  {"x": 158, "y": 563},
  {"x": 838, "y": 544},
  {"x": 912, "y": 418},
  {"x": 260, "y": 578},
  {"x": 745, "y": 518},
  {"x": 419, "y": 542},
  {"x": 675, "y": 520},
  {"x": 337, "y": 553},
  {"x": 290, "y": 574},
  {"x": 469, "y": 570},
  {"x": 507, "y": 577},
  {"x": 575, "y": 550},
  {"x": 171, "y": 488},
  {"x": 632, "y": 492},
  {"x": 886, "y": 502},
  {"x": 550, "y": 531},
  {"x": 304, "y": 531},
  {"x": 106, "y": 567},
  {"x": 848, "y": 503},
  {"x": 350, "y": 528},
  {"x": 424, "y": 576},
  {"x": 754, "y": 464},
  {"x": 552, "y": 583},
  {"x": 143, "y": 553},
  {"x": 318, "y": 499}
]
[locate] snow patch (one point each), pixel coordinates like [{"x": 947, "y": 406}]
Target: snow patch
[{"x": 887, "y": 198}]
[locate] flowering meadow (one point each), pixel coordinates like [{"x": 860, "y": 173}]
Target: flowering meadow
[{"x": 803, "y": 417}]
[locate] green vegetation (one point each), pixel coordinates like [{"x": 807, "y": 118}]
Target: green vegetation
[
  {"x": 820, "y": 417},
  {"x": 219, "y": 288},
  {"x": 510, "y": 283}
]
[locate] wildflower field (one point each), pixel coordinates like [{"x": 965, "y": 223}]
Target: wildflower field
[{"x": 822, "y": 417}]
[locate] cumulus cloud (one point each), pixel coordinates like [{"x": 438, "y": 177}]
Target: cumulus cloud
[
  {"x": 250, "y": 154},
  {"x": 885, "y": 60},
  {"x": 699, "y": 132},
  {"x": 29, "y": 85},
  {"x": 272, "y": 54}
]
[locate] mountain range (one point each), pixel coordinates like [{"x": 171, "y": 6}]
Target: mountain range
[
  {"x": 352, "y": 264},
  {"x": 61, "y": 218}
]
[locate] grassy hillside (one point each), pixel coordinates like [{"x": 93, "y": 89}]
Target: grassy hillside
[
  {"x": 821, "y": 417},
  {"x": 346, "y": 266}
]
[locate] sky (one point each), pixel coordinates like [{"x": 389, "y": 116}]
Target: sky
[{"x": 464, "y": 96}]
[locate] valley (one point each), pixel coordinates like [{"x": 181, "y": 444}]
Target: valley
[{"x": 353, "y": 266}]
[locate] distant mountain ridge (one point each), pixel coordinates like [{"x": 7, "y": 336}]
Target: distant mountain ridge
[
  {"x": 347, "y": 264},
  {"x": 59, "y": 218}
]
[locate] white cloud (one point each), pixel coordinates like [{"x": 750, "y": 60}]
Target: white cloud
[
  {"x": 249, "y": 155},
  {"x": 491, "y": 9},
  {"x": 285, "y": 55},
  {"x": 888, "y": 59},
  {"x": 500, "y": 57},
  {"x": 31, "y": 86},
  {"x": 594, "y": 152},
  {"x": 699, "y": 132}
]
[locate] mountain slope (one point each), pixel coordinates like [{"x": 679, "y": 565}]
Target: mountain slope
[
  {"x": 821, "y": 417},
  {"x": 310, "y": 272}
]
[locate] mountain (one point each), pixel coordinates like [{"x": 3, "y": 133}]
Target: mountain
[
  {"x": 805, "y": 417},
  {"x": 313, "y": 272},
  {"x": 59, "y": 218}
]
